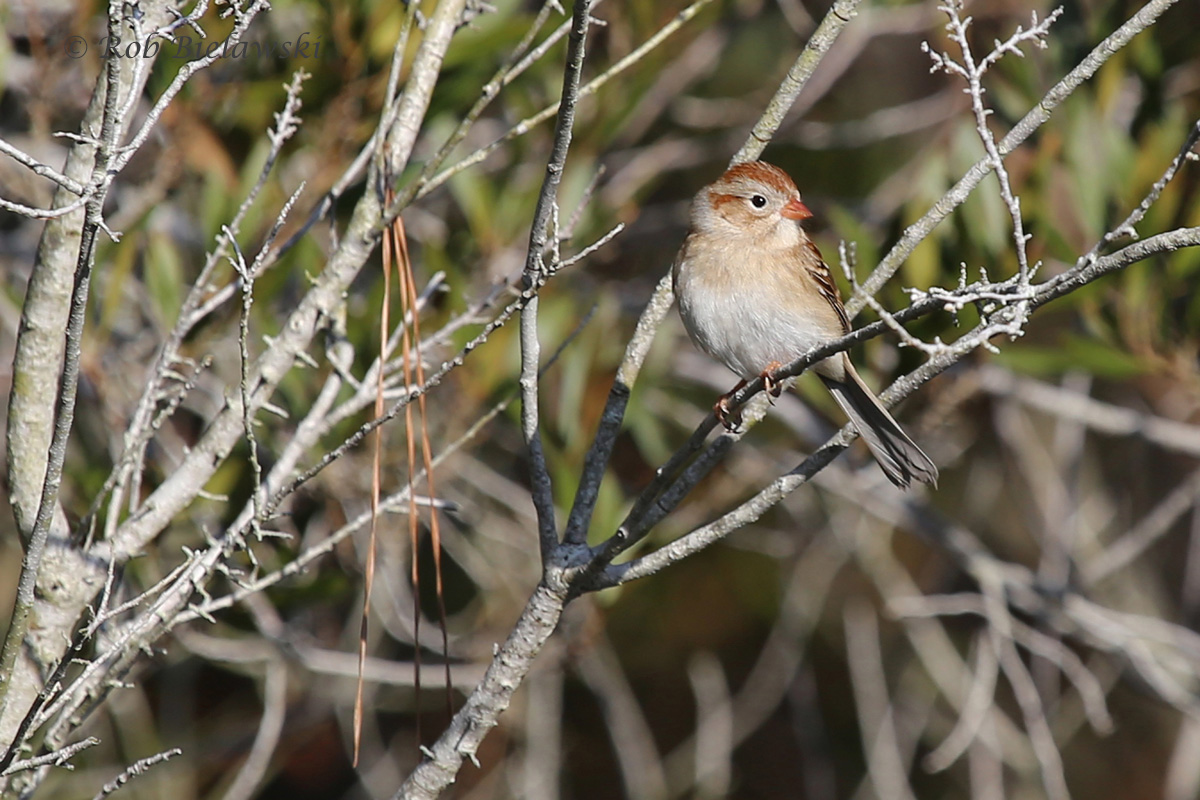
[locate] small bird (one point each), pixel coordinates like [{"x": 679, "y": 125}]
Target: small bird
[{"x": 755, "y": 294}]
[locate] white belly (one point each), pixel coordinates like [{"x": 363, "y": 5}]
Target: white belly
[{"x": 746, "y": 332}]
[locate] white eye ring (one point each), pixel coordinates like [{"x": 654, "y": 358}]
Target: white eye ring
[{"x": 758, "y": 201}]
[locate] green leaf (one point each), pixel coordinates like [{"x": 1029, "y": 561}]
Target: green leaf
[
  {"x": 1092, "y": 355},
  {"x": 923, "y": 266},
  {"x": 164, "y": 277},
  {"x": 120, "y": 267}
]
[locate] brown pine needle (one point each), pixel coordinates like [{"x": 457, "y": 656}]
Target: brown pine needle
[
  {"x": 395, "y": 248},
  {"x": 376, "y": 469},
  {"x": 427, "y": 458},
  {"x": 404, "y": 275}
]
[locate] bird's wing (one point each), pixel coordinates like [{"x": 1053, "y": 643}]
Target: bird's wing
[{"x": 819, "y": 271}]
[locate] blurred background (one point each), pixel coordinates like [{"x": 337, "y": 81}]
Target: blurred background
[{"x": 792, "y": 627}]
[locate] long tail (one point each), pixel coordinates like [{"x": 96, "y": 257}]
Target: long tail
[{"x": 898, "y": 456}]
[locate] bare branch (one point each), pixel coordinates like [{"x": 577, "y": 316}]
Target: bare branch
[
  {"x": 889, "y": 777},
  {"x": 537, "y": 271},
  {"x": 135, "y": 770},
  {"x": 58, "y": 758},
  {"x": 789, "y": 89}
]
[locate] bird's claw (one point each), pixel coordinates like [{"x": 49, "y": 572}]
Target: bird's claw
[
  {"x": 773, "y": 387},
  {"x": 730, "y": 418}
]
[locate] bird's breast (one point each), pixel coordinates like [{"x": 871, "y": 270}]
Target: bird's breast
[{"x": 744, "y": 312}]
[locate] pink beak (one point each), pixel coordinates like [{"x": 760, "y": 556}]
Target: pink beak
[{"x": 795, "y": 210}]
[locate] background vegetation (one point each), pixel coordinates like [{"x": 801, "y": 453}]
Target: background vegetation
[{"x": 834, "y": 647}]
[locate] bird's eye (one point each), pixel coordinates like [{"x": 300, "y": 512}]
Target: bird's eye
[{"x": 758, "y": 201}]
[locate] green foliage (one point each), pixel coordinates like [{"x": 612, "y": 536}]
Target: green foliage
[
  {"x": 164, "y": 277},
  {"x": 660, "y": 131}
]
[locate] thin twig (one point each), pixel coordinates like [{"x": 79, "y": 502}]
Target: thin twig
[
  {"x": 914, "y": 234},
  {"x": 135, "y": 770}
]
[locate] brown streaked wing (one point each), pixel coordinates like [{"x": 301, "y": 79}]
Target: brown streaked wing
[{"x": 826, "y": 285}]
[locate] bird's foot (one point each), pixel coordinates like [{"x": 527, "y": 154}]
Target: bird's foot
[
  {"x": 730, "y": 418},
  {"x": 774, "y": 387}
]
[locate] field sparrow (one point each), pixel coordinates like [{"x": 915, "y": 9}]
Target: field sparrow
[{"x": 755, "y": 294}]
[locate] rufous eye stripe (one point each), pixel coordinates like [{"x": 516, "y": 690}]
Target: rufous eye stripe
[{"x": 719, "y": 199}]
